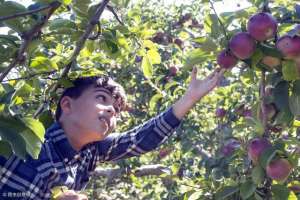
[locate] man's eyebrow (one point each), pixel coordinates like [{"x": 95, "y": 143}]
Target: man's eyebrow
[{"x": 102, "y": 90}]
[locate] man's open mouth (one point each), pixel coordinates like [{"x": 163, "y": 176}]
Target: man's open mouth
[{"x": 103, "y": 119}]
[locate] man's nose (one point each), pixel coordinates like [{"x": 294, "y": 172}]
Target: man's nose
[{"x": 110, "y": 110}]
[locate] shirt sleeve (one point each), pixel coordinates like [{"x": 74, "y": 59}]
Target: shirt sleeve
[{"x": 139, "y": 140}]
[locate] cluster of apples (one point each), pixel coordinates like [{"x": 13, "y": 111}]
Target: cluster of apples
[
  {"x": 278, "y": 169},
  {"x": 261, "y": 27}
]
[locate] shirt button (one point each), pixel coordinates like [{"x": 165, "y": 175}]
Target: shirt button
[{"x": 66, "y": 160}]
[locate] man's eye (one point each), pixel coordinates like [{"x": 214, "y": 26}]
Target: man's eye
[{"x": 102, "y": 97}]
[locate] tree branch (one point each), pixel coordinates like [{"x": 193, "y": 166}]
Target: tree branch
[
  {"x": 79, "y": 45},
  {"x": 147, "y": 170},
  {"x": 221, "y": 23},
  {"x": 25, "y": 13},
  {"x": 28, "y": 36},
  {"x": 111, "y": 9},
  {"x": 30, "y": 76}
]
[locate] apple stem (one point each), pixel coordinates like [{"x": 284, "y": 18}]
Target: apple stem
[
  {"x": 266, "y": 7},
  {"x": 263, "y": 104}
]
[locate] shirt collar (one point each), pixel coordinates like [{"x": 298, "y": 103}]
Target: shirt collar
[{"x": 56, "y": 134}]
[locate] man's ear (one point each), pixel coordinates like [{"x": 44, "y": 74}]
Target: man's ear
[{"x": 66, "y": 104}]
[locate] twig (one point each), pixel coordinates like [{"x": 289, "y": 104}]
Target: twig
[
  {"x": 25, "y": 13},
  {"x": 28, "y": 36},
  {"x": 30, "y": 76},
  {"x": 79, "y": 45},
  {"x": 85, "y": 36},
  {"x": 221, "y": 23},
  {"x": 111, "y": 9}
]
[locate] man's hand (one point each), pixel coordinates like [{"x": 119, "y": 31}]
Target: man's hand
[
  {"x": 199, "y": 88},
  {"x": 71, "y": 195},
  {"x": 196, "y": 90}
]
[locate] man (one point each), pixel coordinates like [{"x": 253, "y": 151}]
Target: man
[{"x": 79, "y": 139}]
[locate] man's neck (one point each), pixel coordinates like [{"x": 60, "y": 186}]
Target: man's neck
[{"x": 74, "y": 137}]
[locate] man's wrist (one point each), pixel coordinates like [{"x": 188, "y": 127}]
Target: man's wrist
[{"x": 183, "y": 105}]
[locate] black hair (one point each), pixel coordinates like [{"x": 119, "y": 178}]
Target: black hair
[{"x": 80, "y": 84}]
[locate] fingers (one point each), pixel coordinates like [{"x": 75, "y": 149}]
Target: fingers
[{"x": 194, "y": 73}]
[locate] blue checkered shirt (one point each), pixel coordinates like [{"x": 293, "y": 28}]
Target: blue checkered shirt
[{"x": 60, "y": 165}]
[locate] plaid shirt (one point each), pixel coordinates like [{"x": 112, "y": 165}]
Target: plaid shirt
[{"x": 60, "y": 165}]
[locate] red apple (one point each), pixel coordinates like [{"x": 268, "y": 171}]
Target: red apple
[
  {"x": 279, "y": 169},
  {"x": 289, "y": 46},
  {"x": 256, "y": 147},
  {"x": 226, "y": 60},
  {"x": 229, "y": 148},
  {"x": 242, "y": 45},
  {"x": 262, "y": 26},
  {"x": 164, "y": 152},
  {"x": 220, "y": 112},
  {"x": 173, "y": 71},
  {"x": 247, "y": 112},
  {"x": 179, "y": 42}
]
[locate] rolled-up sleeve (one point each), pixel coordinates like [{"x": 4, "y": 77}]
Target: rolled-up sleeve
[{"x": 139, "y": 140}]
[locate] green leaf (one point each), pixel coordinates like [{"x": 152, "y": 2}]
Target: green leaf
[
  {"x": 195, "y": 195},
  {"x": 258, "y": 174},
  {"x": 294, "y": 104},
  {"x": 62, "y": 26},
  {"x": 80, "y": 7},
  {"x": 289, "y": 70},
  {"x": 23, "y": 89},
  {"x": 247, "y": 189},
  {"x": 10, "y": 132},
  {"x": 266, "y": 156},
  {"x": 41, "y": 63},
  {"x": 226, "y": 191},
  {"x": 35, "y": 126},
  {"x": 280, "y": 192},
  {"x": 46, "y": 118},
  {"x": 284, "y": 117},
  {"x": 66, "y": 2},
  {"x": 153, "y": 56},
  {"x": 296, "y": 87},
  {"x": 206, "y": 44},
  {"x": 256, "y": 57},
  {"x": 281, "y": 95},
  {"x": 212, "y": 25},
  {"x": 256, "y": 124},
  {"x": 147, "y": 67},
  {"x": 5, "y": 149},
  {"x": 9, "y": 8},
  {"x": 24, "y": 135},
  {"x": 257, "y": 196},
  {"x": 196, "y": 56},
  {"x": 154, "y": 100}
]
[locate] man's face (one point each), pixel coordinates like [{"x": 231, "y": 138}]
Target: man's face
[{"x": 93, "y": 113}]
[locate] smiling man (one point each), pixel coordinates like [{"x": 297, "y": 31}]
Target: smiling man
[{"x": 80, "y": 138}]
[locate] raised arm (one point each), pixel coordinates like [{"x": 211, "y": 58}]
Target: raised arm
[
  {"x": 140, "y": 139},
  {"x": 196, "y": 90},
  {"x": 154, "y": 132}
]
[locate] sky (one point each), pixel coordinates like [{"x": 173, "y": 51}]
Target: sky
[{"x": 220, "y": 6}]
